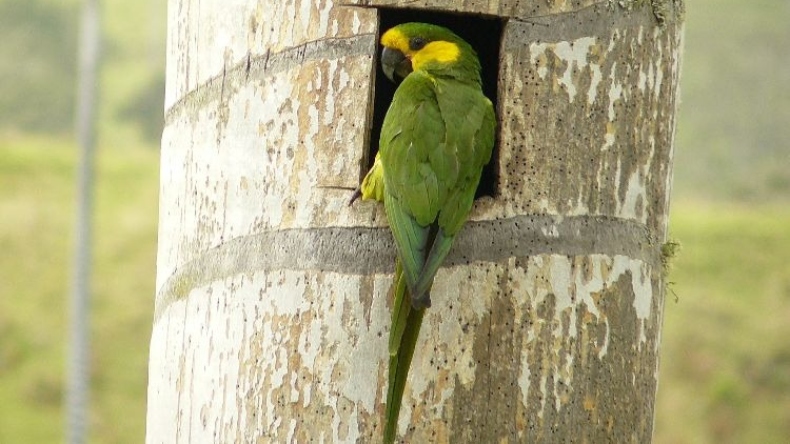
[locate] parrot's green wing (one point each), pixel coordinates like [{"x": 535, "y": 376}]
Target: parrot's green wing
[
  {"x": 412, "y": 128},
  {"x": 434, "y": 142},
  {"x": 473, "y": 141}
]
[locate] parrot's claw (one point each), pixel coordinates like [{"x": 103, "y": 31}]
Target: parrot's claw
[{"x": 355, "y": 196}]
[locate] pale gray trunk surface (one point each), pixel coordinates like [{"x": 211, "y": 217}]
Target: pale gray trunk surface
[{"x": 272, "y": 312}]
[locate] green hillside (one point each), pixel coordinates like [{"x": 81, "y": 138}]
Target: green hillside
[
  {"x": 733, "y": 133},
  {"x": 725, "y": 360},
  {"x": 37, "y": 203}
]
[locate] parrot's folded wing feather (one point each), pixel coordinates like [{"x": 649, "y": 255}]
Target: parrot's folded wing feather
[
  {"x": 410, "y": 237},
  {"x": 439, "y": 249}
]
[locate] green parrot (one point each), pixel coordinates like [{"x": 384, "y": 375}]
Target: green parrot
[{"x": 436, "y": 137}]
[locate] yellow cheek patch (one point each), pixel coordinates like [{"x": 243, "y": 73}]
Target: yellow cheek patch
[
  {"x": 396, "y": 40},
  {"x": 439, "y": 51}
]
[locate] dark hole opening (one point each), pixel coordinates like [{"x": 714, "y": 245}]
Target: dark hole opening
[{"x": 483, "y": 33}]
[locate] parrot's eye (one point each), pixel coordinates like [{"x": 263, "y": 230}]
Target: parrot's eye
[{"x": 417, "y": 43}]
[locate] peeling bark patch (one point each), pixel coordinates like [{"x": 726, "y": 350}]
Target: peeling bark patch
[
  {"x": 205, "y": 37},
  {"x": 362, "y": 250},
  {"x": 266, "y": 65},
  {"x": 576, "y": 328},
  {"x": 515, "y": 9},
  {"x": 582, "y": 115},
  {"x": 275, "y": 162},
  {"x": 487, "y": 416},
  {"x": 284, "y": 365},
  {"x": 574, "y": 56}
]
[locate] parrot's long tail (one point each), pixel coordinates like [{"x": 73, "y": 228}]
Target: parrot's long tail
[{"x": 406, "y": 322}]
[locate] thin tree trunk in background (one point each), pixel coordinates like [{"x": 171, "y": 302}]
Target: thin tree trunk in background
[
  {"x": 271, "y": 307},
  {"x": 79, "y": 347}
]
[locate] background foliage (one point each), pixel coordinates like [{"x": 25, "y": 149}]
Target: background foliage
[
  {"x": 725, "y": 372},
  {"x": 37, "y": 66}
]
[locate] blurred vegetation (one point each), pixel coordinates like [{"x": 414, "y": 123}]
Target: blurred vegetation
[
  {"x": 725, "y": 360},
  {"x": 733, "y": 140},
  {"x": 37, "y": 65},
  {"x": 725, "y": 365},
  {"x": 145, "y": 109},
  {"x": 38, "y": 69},
  {"x": 37, "y": 189}
]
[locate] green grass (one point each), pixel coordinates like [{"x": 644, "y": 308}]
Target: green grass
[
  {"x": 725, "y": 363},
  {"x": 37, "y": 201}
]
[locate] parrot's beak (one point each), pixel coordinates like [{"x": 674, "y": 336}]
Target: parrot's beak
[{"x": 393, "y": 63}]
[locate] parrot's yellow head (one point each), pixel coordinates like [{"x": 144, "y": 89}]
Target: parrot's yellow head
[{"x": 424, "y": 47}]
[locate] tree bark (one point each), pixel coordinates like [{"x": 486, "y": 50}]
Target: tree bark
[{"x": 272, "y": 309}]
